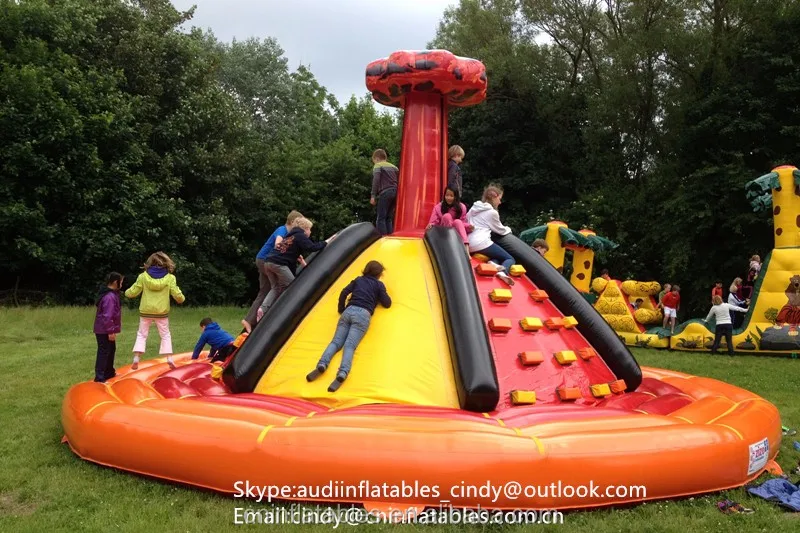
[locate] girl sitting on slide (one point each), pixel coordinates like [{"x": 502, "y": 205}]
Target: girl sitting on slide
[
  {"x": 365, "y": 293},
  {"x": 485, "y": 219},
  {"x": 451, "y": 213}
]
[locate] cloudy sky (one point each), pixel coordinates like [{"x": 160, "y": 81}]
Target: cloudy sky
[{"x": 334, "y": 38}]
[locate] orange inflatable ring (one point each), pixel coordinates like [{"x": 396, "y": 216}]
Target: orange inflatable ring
[{"x": 677, "y": 435}]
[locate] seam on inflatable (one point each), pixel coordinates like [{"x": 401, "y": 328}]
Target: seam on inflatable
[
  {"x": 187, "y": 396},
  {"x": 110, "y": 391},
  {"x": 654, "y": 395},
  {"x": 731, "y": 409},
  {"x": 640, "y": 411},
  {"x": 684, "y": 419},
  {"x": 312, "y": 413},
  {"x": 263, "y": 434},
  {"x": 95, "y": 406},
  {"x": 289, "y": 422},
  {"x": 732, "y": 429},
  {"x": 144, "y": 400},
  {"x": 539, "y": 445}
]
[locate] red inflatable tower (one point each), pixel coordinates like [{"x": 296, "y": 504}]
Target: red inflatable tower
[{"x": 424, "y": 83}]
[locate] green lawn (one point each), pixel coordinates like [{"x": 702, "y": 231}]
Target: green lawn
[{"x": 44, "y": 487}]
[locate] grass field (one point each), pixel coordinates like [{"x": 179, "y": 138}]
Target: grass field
[{"x": 44, "y": 487}]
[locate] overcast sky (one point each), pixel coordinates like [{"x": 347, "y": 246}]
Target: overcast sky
[{"x": 334, "y": 38}]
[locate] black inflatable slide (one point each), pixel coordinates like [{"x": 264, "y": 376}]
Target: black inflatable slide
[
  {"x": 476, "y": 376},
  {"x": 277, "y": 325}
]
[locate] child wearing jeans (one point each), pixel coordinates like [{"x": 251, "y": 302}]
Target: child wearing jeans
[
  {"x": 221, "y": 341},
  {"x": 281, "y": 263},
  {"x": 107, "y": 323},
  {"x": 485, "y": 219},
  {"x": 365, "y": 292},
  {"x": 451, "y": 213},
  {"x": 156, "y": 284}
]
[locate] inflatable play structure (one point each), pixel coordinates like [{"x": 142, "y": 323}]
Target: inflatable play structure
[
  {"x": 616, "y": 304},
  {"x": 583, "y": 244},
  {"x": 613, "y": 299},
  {"x": 771, "y": 324},
  {"x": 464, "y": 381}
]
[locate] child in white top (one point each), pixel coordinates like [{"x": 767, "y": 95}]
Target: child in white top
[
  {"x": 722, "y": 313},
  {"x": 485, "y": 219}
]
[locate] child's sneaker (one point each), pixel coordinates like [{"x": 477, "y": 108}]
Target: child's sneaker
[
  {"x": 317, "y": 372},
  {"x": 171, "y": 363},
  {"x": 135, "y": 365},
  {"x": 336, "y": 383},
  {"x": 505, "y": 277}
]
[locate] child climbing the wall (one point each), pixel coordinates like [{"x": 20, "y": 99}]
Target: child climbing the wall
[
  {"x": 281, "y": 263},
  {"x": 671, "y": 303},
  {"x": 365, "y": 292},
  {"x": 221, "y": 341},
  {"x": 485, "y": 219},
  {"x": 156, "y": 284},
  {"x": 541, "y": 246},
  {"x": 455, "y": 156},
  {"x": 451, "y": 213},
  {"x": 263, "y": 281},
  {"x": 637, "y": 304}
]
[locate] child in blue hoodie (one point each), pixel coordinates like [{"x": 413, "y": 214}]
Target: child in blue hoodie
[
  {"x": 365, "y": 293},
  {"x": 221, "y": 341},
  {"x": 281, "y": 263}
]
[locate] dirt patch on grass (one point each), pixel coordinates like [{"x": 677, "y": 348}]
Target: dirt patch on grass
[{"x": 11, "y": 504}]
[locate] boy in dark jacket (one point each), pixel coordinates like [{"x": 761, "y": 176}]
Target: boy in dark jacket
[
  {"x": 365, "y": 293},
  {"x": 107, "y": 323},
  {"x": 455, "y": 156},
  {"x": 384, "y": 191},
  {"x": 281, "y": 263},
  {"x": 221, "y": 341}
]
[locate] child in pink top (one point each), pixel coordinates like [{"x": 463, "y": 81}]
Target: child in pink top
[{"x": 451, "y": 213}]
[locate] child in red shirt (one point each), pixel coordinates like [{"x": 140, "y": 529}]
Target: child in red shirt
[
  {"x": 716, "y": 291},
  {"x": 671, "y": 303}
]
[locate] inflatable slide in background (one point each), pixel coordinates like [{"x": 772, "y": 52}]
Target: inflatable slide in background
[{"x": 771, "y": 324}]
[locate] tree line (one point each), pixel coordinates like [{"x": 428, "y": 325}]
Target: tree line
[
  {"x": 122, "y": 133},
  {"x": 640, "y": 119}
]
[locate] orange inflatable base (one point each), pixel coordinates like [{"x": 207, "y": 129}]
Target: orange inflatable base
[{"x": 182, "y": 426}]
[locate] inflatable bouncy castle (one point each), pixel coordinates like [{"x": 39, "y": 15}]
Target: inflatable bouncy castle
[
  {"x": 560, "y": 239},
  {"x": 464, "y": 381},
  {"x": 616, "y": 304},
  {"x": 772, "y": 323}
]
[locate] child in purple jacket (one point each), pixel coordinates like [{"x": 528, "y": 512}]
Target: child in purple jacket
[{"x": 107, "y": 323}]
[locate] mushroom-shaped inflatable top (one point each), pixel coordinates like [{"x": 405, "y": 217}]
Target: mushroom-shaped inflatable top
[{"x": 461, "y": 81}]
